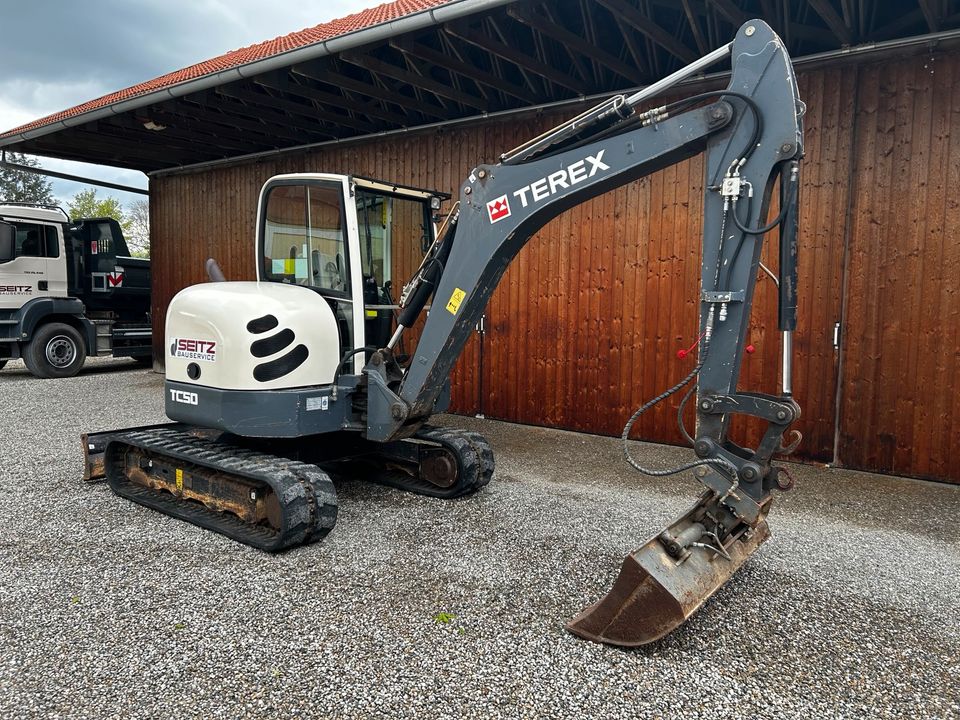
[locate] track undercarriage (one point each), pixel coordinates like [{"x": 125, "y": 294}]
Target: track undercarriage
[{"x": 276, "y": 495}]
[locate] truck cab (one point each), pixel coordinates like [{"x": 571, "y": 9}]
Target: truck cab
[{"x": 69, "y": 290}]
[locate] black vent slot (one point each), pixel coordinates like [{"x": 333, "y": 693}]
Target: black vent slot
[
  {"x": 272, "y": 344},
  {"x": 265, "y": 372},
  {"x": 262, "y": 324}
]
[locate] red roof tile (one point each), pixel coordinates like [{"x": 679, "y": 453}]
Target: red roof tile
[{"x": 244, "y": 56}]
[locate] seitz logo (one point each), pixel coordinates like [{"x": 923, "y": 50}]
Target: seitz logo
[
  {"x": 498, "y": 209},
  {"x": 191, "y": 349},
  {"x": 183, "y": 397},
  {"x": 16, "y": 289}
]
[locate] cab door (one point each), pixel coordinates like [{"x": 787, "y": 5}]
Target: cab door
[
  {"x": 37, "y": 269},
  {"x": 307, "y": 235}
]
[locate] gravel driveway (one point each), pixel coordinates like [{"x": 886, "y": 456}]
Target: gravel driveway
[{"x": 424, "y": 608}]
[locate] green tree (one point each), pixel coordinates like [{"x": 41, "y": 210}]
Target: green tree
[
  {"x": 23, "y": 185},
  {"x": 86, "y": 204},
  {"x": 138, "y": 235}
]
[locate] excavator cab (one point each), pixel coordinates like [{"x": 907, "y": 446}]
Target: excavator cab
[
  {"x": 327, "y": 249},
  {"x": 344, "y": 238}
]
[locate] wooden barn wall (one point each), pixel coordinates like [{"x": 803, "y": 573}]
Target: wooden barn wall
[
  {"x": 586, "y": 323},
  {"x": 901, "y": 395}
]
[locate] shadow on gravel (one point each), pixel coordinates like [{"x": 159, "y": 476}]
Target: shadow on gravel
[{"x": 19, "y": 371}]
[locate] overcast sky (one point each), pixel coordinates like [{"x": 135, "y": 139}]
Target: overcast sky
[{"x": 59, "y": 53}]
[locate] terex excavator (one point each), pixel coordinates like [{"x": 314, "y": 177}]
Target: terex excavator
[{"x": 274, "y": 384}]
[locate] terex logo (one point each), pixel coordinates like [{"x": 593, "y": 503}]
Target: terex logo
[
  {"x": 186, "y": 398},
  {"x": 571, "y": 175},
  {"x": 191, "y": 349},
  {"x": 498, "y": 209}
]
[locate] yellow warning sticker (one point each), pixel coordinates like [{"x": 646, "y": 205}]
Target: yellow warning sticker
[
  {"x": 455, "y": 299},
  {"x": 179, "y": 479}
]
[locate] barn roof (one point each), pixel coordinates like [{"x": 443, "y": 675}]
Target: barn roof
[{"x": 414, "y": 63}]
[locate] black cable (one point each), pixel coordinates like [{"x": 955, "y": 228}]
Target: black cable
[
  {"x": 749, "y": 101},
  {"x": 680, "y": 410},
  {"x": 625, "y": 435},
  {"x": 349, "y": 354},
  {"x": 760, "y": 230}
]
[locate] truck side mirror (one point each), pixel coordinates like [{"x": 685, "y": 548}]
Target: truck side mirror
[{"x": 8, "y": 242}]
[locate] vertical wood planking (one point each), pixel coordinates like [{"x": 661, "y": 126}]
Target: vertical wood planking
[{"x": 901, "y": 350}]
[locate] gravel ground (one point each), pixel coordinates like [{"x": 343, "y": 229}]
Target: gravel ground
[{"x": 110, "y": 610}]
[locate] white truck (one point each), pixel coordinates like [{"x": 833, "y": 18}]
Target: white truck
[{"x": 69, "y": 290}]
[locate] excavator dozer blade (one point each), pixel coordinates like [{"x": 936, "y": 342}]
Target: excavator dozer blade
[{"x": 654, "y": 593}]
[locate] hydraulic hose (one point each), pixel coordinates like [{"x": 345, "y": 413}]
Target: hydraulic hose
[{"x": 625, "y": 435}]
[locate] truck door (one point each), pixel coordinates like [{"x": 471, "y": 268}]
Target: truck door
[{"x": 37, "y": 269}]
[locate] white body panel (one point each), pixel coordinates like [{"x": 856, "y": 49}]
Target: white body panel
[
  {"x": 219, "y": 313},
  {"x": 20, "y": 278}
]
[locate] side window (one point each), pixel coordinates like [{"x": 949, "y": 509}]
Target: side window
[
  {"x": 52, "y": 241},
  {"x": 36, "y": 240},
  {"x": 375, "y": 216},
  {"x": 304, "y": 237}
]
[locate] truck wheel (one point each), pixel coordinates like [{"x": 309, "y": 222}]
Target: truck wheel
[{"x": 56, "y": 351}]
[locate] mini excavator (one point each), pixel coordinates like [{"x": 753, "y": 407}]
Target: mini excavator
[{"x": 276, "y": 385}]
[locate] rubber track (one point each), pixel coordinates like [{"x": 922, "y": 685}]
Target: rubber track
[
  {"x": 475, "y": 464},
  {"x": 308, "y": 499}
]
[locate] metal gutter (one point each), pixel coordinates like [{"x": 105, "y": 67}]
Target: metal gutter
[
  {"x": 859, "y": 51},
  {"x": 408, "y": 23}
]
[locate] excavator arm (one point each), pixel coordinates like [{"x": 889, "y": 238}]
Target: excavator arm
[{"x": 751, "y": 136}]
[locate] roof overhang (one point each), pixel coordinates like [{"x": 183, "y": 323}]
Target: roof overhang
[{"x": 442, "y": 63}]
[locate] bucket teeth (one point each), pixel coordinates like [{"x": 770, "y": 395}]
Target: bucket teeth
[{"x": 656, "y": 592}]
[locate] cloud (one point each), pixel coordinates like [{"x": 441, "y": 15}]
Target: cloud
[
  {"x": 91, "y": 48},
  {"x": 57, "y": 55}
]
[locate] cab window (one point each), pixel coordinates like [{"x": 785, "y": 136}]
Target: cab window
[
  {"x": 36, "y": 240},
  {"x": 305, "y": 239}
]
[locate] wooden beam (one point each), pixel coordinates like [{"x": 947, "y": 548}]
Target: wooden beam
[
  {"x": 645, "y": 26},
  {"x": 177, "y": 131},
  {"x": 734, "y": 15},
  {"x": 339, "y": 79},
  {"x": 82, "y": 154},
  {"x": 202, "y": 130},
  {"x": 829, "y": 15},
  {"x": 418, "y": 50},
  {"x": 694, "y": 24},
  {"x": 306, "y": 111},
  {"x": 204, "y": 114},
  {"x": 115, "y": 153},
  {"x": 573, "y": 41},
  {"x": 520, "y": 59},
  {"x": 930, "y": 14},
  {"x": 286, "y": 124},
  {"x": 435, "y": 87},
  {"x": 895, "y": 28},
  {"x": 291, "y": 89}
]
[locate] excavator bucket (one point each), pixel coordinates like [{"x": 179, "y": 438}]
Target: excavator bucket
[{"x": 657, "y": 591}]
